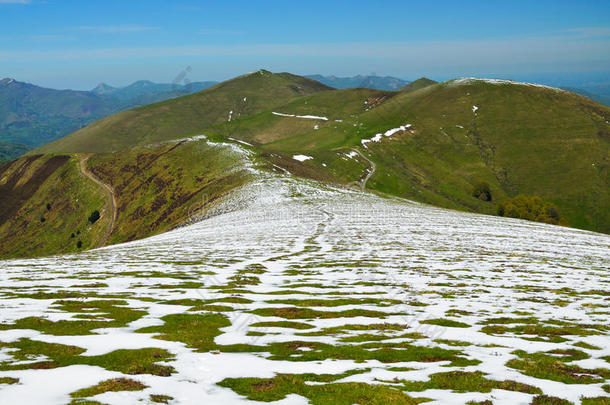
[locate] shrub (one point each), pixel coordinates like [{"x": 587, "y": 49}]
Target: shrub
[
  {"x": 95, "y": 215},
  {"x": 482, "y": 191},
  {"x": 48, "y": 207},
  {"x": 532, "y": 208},
  {"x": 42, "y": 219},
  {"x": 79, "y": 244}
]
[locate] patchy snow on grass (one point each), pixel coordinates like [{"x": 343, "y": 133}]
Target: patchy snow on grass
[
  {"x": 470, "y": 80},
  {"x": 323, "y": 250},
  {"x": 387, "y": 133},
  {"x": 474, "y": 109}
]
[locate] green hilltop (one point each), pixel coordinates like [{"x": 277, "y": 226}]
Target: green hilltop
[
  {"x": 189, "y": 115},
  {"x": 536, "y": 152}
]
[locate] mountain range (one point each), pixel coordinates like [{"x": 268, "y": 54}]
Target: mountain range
[
  {"x": 361, "y": 81},
  {"x": 31, "y": 116},
  {"x": 478, "y": 145}
]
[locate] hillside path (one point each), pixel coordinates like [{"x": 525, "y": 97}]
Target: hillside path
[
  {"x": 370, "y": 173},
  {"x": 111, "y": 200}
]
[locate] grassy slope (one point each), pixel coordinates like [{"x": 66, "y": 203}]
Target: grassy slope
[
  {"x": 27, "y": 185},
  {"x": 417, "y": 84},
  {"x": 158, "y": 188},
  {"x": 186, "y": 116},
  {"x": 522, "y": 139}
]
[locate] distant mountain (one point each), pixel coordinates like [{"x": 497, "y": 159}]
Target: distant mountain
[
  {"x": 10, "y": 151},
  {"x": 600, "y": 99},
  {"x": 31, "y": 116},
  {"x": 145, "y": 92},
  {"x": 360, "y": 81}
]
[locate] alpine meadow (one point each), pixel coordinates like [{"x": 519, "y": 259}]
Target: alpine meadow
[{"x": 307, "y": 232}]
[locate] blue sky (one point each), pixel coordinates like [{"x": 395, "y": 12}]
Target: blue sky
[{"x": 77, "y": 44}]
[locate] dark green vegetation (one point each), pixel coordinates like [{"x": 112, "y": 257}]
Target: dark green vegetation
[
  {"x": 31, "y": 116},
  {"x": 531, "y": 208}
]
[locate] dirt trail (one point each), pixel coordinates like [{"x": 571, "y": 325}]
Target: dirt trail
[
  {"x": 111, "y": 202},
  {"x": 370, "y": 173}
]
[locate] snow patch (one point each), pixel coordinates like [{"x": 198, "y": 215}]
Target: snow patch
[
  {"x": 387, "y": 133},
  {"x": 470, "y": 80},
  {"x": 309, "y": 117},
  {"x": 301, "y": 158}
]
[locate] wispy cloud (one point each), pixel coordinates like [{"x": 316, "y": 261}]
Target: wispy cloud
[
  {"x": 116, "y": 29},
  {"x": 552, "y": 51}
]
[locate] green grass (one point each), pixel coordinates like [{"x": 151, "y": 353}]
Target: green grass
[
  {"x": 30, "y": 183},
  {"x": 554, "y": 366},
  {"x": 9, "y": 380},
  {"x": 461, "y": 381},
  {"x": 329, "y": 393},
  {"x": 445, "y": 322},
  {"x": 196, "y": 331},
  {"x": 114, "y": 385},
  {"x": 160, "y": 399},
  {"x": 116, "y": 310},
  {"x": 549, "y": 400},
  {"x": 307, "y": 313},
  {"x": 140, "y": 361},
  {"x": 283, "y": 324}
]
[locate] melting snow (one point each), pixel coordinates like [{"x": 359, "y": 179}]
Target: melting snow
[
  {"x": 310, "y": 117},
  {"x": 474, "y": 109},
  {"x": 387, "y": 133},
  {"x": 342, "y": 243},
  {"x": 301, "y": 158},
  {"x": 469, "y": 80}
]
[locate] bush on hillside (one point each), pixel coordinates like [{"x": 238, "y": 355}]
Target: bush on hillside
[
  {"x": 482, "y": 191},
  {"x": 95, "y": 215},
  {"x": 532, "y": 208}
]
